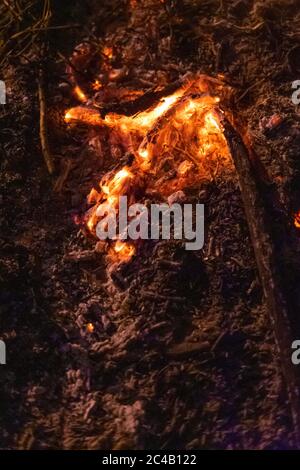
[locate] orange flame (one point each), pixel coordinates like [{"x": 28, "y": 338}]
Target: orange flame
[
  {"x": 80, "y": 94},
  {"x": 211, "y": 122},
  {"x": 84, "y": 115},
  {"x": 139, "y": 122},
  {"x": 124, "y": 251},
  {"x": 117, "y": 183},
  {"x": 90, "y": 328}
]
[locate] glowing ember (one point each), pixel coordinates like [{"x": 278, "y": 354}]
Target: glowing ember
[
  {"x": 91, "y": 223},
  {"x": 97, "y": 85},
  {"x": 184, "y": 168},
  {"x": 108, "y": 52},
  {"x": 84, "y": 115},
  {"x": 141, "y": 121},
  {"x": 118, "y": 183},
  {"x": 123, "y": 250},
  {"x": 144, "y": 153},
  {"x": 211, "y": 122},
  {"x": 90, "y": 328},
  {"x": 79, "y": 94}
]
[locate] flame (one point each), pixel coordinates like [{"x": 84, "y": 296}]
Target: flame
[
  {"x": 117, "y": 183},
  {"x": 211, "y": 122},
  {"x": 80, "y": 94},
  {"x": 92, "y": 221},
  {"x": 147, "y": 119},
  {"x": 108, "y": 52},
  {"x": 143, "y": 153},
  {"x": 127, "y": 124},
  {"x": 84, "y": 115},
  {"x": 90, "y": 328},
  {"x": 93, "y": 197},
  {"x": 124, "y": 251},
  {"x": 184, "y": 168},
  {"x": 97, "y": 85},
  {"x": 111, "y": 190},
  {"x": 69, "y": 115}
]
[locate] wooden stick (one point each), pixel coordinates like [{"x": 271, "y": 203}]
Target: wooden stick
[
  {"x": 43, "y": 125},
  {"x": 151, "y": 98},
  {"x": 267, "y": 262},
  {"x": 143, "y": 102}
]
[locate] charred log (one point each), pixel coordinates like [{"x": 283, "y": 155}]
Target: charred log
[{"x": 266, "y": 259}]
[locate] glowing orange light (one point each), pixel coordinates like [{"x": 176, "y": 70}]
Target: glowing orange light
[
  {"x": 68, "y": 116},
  {"x": 211, "y": 122},
  {"x": 124, "y": 250},
  {"x": 180, "y": 135},
  {"x": 147, "y": 119},
  {"x": 117, "y": 183},
  {"x": 184, "y": 168},
  {"x": 190, "y": 108},
  {"x": 108, "y": 52},
  {"x": 127, "y": 124},
  {"x": 90, "y": 328},
  {"x": 80, "y": 94},
  {"x": 90, "y": 224},
  {"x": 93, "y": 196},
  {"x": 143, "y": 153},
  {"x": 97, "y": 85},
  {"x": 112, "y": 200},
  {"x": 84, "y": 115}
]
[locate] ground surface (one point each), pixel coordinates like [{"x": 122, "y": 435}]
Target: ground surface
[{"x": 183, "y": 354}]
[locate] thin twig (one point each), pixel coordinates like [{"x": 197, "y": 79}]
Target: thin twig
[{"x": 43, "y": 125}]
